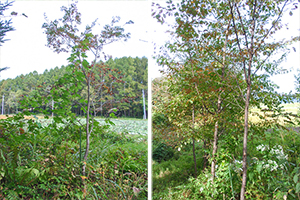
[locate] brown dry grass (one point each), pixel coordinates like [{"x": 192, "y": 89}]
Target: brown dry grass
[
  {"x": 25, "y": 117},
  {"x": 290, "y": 108}
]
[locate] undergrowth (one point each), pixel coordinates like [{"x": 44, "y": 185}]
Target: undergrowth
[
  {"x": 273, "y": 171},
  {"x": 45, "y": 162}
]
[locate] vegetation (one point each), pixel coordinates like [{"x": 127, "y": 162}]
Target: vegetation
[
  {"x": 41, "y": 159},
  {"x": 67, "y": 156},
  {"x": 134, "y": 80},
  {"x": 273, "y": 158},
  {"x": 211, "y": 89}
]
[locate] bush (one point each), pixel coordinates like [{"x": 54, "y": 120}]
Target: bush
[
  {"x": 159, "y": 119},
  {"x": 162, "y": 152}
]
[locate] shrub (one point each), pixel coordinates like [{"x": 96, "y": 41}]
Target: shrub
[
  {"x": 162, "y": 152},
  {"x": 159, "y": 119}
]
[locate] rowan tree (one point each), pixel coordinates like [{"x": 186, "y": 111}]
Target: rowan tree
[
  {"x": 235, "y": 37},
  {"x": 63, "y": 35}
]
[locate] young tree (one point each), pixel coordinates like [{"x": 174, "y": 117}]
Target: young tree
[
  {"x": 244, "y": 30},
  {"x": 63, "y": 36},
  {"x": 210, "y": 80}
]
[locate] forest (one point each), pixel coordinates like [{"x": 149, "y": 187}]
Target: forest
[
  {"x": 126, "y": 95},
  {"x": 78, "y": 131},
  {"x": 220, "y": 129}
]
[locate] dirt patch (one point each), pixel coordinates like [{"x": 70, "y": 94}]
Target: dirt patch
[
  {"x": 4, "y": 116},
  {"x": 25, "y": 117}
]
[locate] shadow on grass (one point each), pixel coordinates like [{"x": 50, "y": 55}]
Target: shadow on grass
[{"x": 167, "y": 175}]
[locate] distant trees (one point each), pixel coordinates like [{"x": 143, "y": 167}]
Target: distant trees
[{"x": 134, "y": 70}]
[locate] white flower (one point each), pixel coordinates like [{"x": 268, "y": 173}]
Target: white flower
[
  {"x": 278, "y": 151},
  {"x": 262, "y": 147}
]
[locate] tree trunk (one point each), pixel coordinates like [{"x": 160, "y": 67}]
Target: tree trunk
[
  {"x": 195, "y": 161},
  {"x": 215, "y": 148},
  {"x": 243, "y": 188},
  {"x": 194, "y": 153},
  {"x": 205, "y": 155},
  {"x": 87, "y": 126},
  {"x": 215, "y": 144}
]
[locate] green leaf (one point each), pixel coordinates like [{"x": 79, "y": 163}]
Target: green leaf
[
  {"x": 298, "y": 187},
  {"x": 296, "y": 178},
  {"x": 259, "y": 168},
  {"x": 85, "y": 63}
]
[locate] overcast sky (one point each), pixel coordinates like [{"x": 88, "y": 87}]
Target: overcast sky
[
  {"x": 284, "y": 81},
  {"x": 26, "y": 50}
]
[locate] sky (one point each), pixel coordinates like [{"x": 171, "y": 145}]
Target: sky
[
  {"x": 284, "y": 81},
  {"x": 26, "y": 50}
]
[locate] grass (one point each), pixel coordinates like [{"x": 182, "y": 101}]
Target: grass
[
  {"x": 122, "y": 125},
  {"x": 294, "y": 108},
  {"x": 173, "y": 179},
  {"x": 289, "y": 108},
  {"x": 43, "y": 162}
]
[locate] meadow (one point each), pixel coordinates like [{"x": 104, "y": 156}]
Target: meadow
[{"x": 290, "y": 108}]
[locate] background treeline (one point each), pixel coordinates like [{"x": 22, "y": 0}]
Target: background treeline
[{"x": 126, "y": 95}]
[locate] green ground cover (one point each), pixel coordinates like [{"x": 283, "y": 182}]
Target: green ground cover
[
  {"x": 129, "y": 126},
  {"x": 40, "y": 159},
  {"x": 273, "y": 171},
  {"x": 273, "y": 166}
]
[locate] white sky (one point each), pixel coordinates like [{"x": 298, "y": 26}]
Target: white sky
[
  {"x": 26, "y": 50},
  {"x": 284, "y": 81}
]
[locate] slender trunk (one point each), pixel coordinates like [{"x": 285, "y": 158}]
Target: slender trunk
[
  {"x": 215, "y": 144},
  {"x": 87, "y": 126},
  {"x": 194, "y": 153},
  {"x": 215, "y": 148},
  {"x": 244, "y": 181},
  {"x": 2, "y": 113},
  {"x": 204, "y": 156},
  {"x": 195, "y": 161}
]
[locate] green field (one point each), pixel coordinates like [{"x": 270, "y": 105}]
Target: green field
[
  {"x": 127, "y": 126},
  {"x": 130, "y": 126}
]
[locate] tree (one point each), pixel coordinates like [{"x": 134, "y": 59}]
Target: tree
[
  {"x": 5, "y": 26},
  {"x": 4, "y": 68},
  {"x": 210, "y": 80},
  {"x": 249, "y": 26},
  {"x": 63, "y": 36}
]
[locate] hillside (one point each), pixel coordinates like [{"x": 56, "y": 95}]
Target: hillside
[{"x": 127, "y": 90}]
